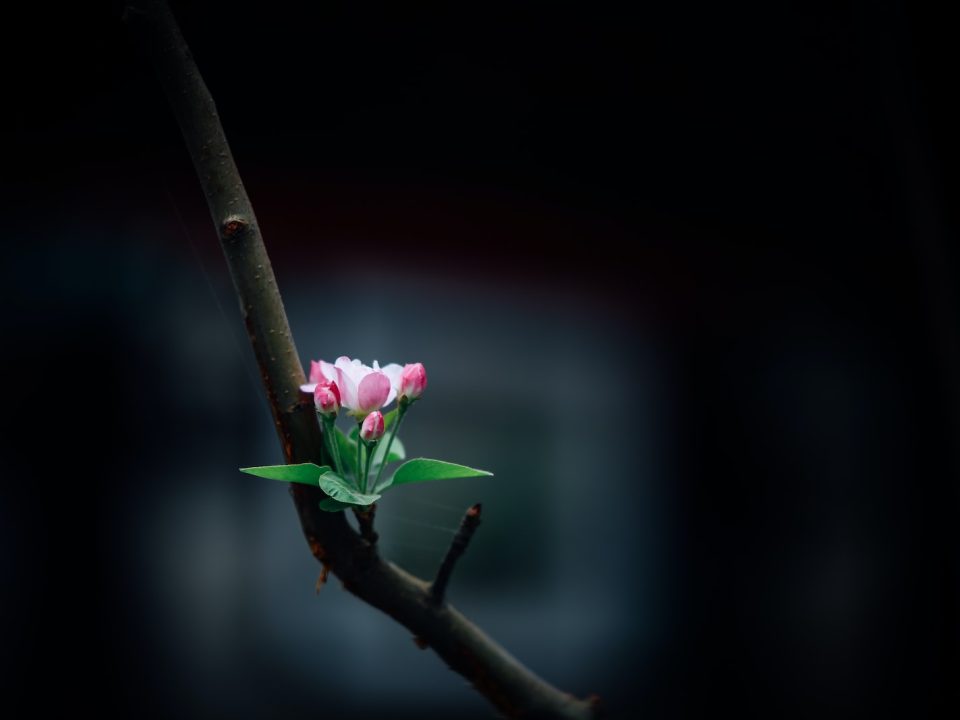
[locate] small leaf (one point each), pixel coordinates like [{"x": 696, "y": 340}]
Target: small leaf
[
  {"x": 425, "y": 469},
  {"x": 304, "y": 473},
  {"x": 339, "y": 489},
  {"x": 331, "y": 505}
]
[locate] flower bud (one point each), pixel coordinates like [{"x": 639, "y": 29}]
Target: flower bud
[
  {"x": 372, "y": 428},
  {"x": 413, "y": 381},
  {"x": 326, "y": 397}
]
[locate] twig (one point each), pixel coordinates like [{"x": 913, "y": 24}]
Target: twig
[
  {"x": 458, "y": 546},
  {"x": 510, "y": 686}
]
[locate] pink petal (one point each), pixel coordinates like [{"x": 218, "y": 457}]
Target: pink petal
[
  {"x": 326, "y": 398},
  {"x": 308, "y": 387},
  {"x": 413, "y": 381},
  {"x": 373, "y": 391},
  {"x": 316, "y": 373},
  {"x": 372, "y": 428}
]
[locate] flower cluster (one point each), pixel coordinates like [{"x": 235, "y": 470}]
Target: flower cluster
[
  {"x": 361, "y": 389},
  {"x": 352, "y": 473}
]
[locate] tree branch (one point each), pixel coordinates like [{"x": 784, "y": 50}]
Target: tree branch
[
  {"x": 458, "y": 546},
  {"x": 511, "y": 687},
  {"x": 365, "y": 521}
]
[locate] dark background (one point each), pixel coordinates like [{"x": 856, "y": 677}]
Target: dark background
[{"x": 685, "y": 279}]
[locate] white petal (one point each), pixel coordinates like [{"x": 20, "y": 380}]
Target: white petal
[
  {"x": 348, "y": 389},
  {"x": 353, "y": 369},
  {"x": 393, "y": 371},
  {"x": 329, "y": 370}
]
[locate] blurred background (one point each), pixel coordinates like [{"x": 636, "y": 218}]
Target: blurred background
[{"x": 684, "y": 280}]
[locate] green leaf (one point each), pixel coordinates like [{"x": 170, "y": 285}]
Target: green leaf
[
  {"x": 339, "y": 489},
  {"x": 331, "y": 505},
  {"x": 425, "y": 469},
  {"x": 304, "y": 473}
]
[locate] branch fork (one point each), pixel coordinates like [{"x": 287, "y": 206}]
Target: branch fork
[{"x": 458, "y": 546}]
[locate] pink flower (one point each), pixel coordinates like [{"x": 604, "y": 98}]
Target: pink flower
[
  {"x": 372, "y": 428},
  {"x": 362, "y": 389},
  {"x": 413, "y": 381},
  {"x": 326, "y": 396}
]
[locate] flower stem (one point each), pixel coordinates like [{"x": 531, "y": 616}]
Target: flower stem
[
  {"x": 366, "y": 466},
  {"x": 329, "y": 434},
  {"x": 361, "y": 478},
  {"x": 401, "y": 411}
]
